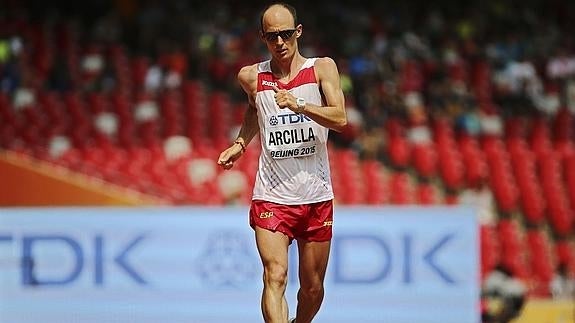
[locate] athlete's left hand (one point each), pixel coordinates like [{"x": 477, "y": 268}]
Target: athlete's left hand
[{"x": 284, "y": 99}]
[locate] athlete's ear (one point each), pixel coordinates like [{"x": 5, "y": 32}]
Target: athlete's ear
[
  {"x": 262, "y": 38},
  {"x": 299, "y": 30}
]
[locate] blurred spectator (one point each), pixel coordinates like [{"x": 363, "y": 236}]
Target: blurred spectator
[
  {"x": 59, "y": 78},
  {"x": 570, "y": 95},
  {"x": 4, "y": 50},
  {"x": 562, "y": 285},
  {"x": 481, "y": 198},
  {"x": 505, "y": 294},
  {"x": 153, "y": 80},
  {"x": 561, "y": 65},
  {"x": 10, "y": 76},
  {"x": 518, "y": 86},
  {"x": 108, "y": 29}
]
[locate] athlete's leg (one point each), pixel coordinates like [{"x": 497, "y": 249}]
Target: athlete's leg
[
  {"x": 313, "y": 259},
  {"x": 273, "y": 250}
]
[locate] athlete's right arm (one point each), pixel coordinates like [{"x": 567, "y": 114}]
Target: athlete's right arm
[{"x": 247, "y": 77}]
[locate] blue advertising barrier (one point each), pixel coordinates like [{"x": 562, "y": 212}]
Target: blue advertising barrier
[{"x": 200, "y": 265}]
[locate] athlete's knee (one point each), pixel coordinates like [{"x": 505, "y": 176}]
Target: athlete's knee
[
  {"x": 312, "y": 291},
  {"x": 275, "y": 274}
]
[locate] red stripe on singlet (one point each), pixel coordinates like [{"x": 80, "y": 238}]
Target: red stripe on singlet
[{"x": 266, "y": 79}]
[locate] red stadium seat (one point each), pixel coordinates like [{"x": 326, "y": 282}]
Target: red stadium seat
[
  {"x": 541, "y": 261},
  {"x": 426, "y": 194},
  {"x": 474, "y": 162},
  {"x": 481, "y": 81},
  {"x": 513, "y": 251},
  {"x": 399, "y": 151},
  {"x": 565, "y": 253},
  {"x": 490, "y": 249},
  {"x": 400, "y": 188},
  {"x": 375, "y": 182},
  {"x": 424, "y": 159},
  {"x": 411, "y": 77}
]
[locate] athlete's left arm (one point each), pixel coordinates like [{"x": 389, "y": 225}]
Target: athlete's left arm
[{"x": 332, "y": 115}]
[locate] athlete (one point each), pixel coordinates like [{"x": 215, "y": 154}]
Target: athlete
[{"x": 293, "y": 102}]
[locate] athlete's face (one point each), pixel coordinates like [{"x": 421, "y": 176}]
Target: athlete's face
[{"x": 279, "y": 33}]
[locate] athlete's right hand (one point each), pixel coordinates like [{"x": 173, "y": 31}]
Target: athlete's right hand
[{"x": 229, "y": 156}]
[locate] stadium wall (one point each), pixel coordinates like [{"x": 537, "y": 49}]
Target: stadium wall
[
  {"x": 200, "y": 265},
  {"x": 30, "y": 182}
]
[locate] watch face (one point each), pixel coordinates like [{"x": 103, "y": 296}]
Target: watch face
[{"x": 300, "y": 104}]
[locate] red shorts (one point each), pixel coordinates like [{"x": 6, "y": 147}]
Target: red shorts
[{"x": 311, "y": 222}]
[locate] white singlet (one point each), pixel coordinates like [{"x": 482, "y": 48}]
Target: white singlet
[{"x": 293, "y": 166}]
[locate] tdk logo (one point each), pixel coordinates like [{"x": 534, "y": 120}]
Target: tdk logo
[
  {"x": 92, "y": 257},
  {"x": 268, "y": 83},
  {"x": 285, "y": 119}
]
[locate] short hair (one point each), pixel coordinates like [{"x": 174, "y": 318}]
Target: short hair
[{"x": 290, "y": 8}]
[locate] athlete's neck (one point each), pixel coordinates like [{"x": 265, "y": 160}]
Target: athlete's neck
[{"x": 286, "y": 68}]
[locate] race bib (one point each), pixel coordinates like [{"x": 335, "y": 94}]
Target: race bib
[{"x": 291, "y": 135}]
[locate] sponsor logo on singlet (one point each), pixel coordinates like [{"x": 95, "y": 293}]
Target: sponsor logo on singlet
[
  {"x": 274, "y": 121},
  {"x": 268, "y": 83},
  {"x": 287, "y": 119}
]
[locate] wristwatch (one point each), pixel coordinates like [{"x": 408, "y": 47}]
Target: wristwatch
[{"x": 300, "y": 105}]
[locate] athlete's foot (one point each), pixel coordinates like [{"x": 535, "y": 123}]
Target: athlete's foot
[{"x": 292, "y": 320}]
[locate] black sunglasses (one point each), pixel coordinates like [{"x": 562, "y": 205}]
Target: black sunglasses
[{"x": 284, "y": 34}]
